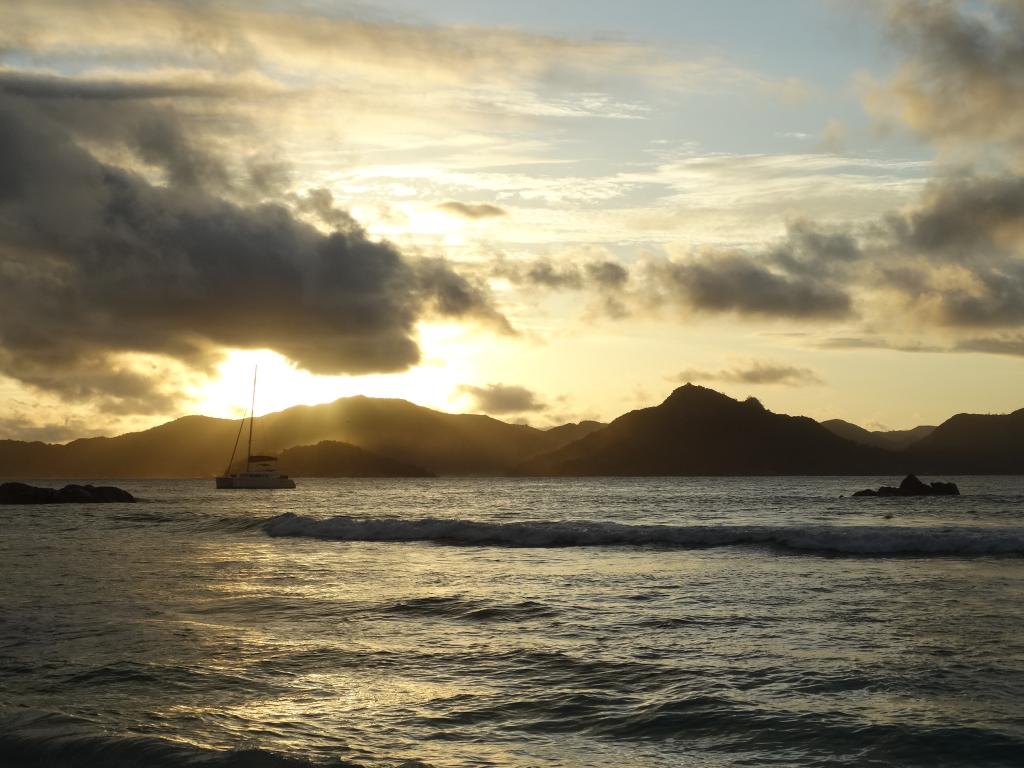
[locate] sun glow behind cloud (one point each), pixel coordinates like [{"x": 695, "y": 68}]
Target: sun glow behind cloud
[{"x": 447, "y": 362}]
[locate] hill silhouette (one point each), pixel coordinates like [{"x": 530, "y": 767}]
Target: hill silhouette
[
  {"x": 200, "y": 446},
  {"x": 444, "y": 443},
  {"x": 192, "y": 446},
  {"x": 567, "y": 433},
  {"x": 895, "y": 439},
  {"x": 333, "y": 459},
  {"x": 971, "y": 443},
  {"x": 695, "y": 431},
  {"x": 698, "y": 431}
]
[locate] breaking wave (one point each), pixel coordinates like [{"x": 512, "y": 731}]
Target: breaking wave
[{"x": 856, "y": 540}]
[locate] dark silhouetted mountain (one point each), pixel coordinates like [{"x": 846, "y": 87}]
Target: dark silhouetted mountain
[
  {"x": 444, "y": 443},
  {"x": 896, "y": 439},
  {"x": 698, "y": 431},
  {"x": 332, "y": 459},
  {"x": 567, "y": 433},
  {"x": 200, "y": 446},
  {"x": 193, "y": 446},
  {"x": 973, "y": 444}
]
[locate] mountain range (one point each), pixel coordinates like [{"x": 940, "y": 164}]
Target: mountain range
[
  {"x": 695, "y": 431},
  {"x": 896, "y": 439},
  {"x": 385, "y": 431}
]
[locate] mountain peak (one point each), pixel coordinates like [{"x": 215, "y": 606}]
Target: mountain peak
[
  {"x": 699, "y": 431},
  {"x": 695, "y": 393}
]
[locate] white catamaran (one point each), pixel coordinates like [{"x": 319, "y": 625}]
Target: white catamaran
[{"x": 260, "y": 471}]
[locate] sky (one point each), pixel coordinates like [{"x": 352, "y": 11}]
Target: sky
[{"x": 542, "y": 211}]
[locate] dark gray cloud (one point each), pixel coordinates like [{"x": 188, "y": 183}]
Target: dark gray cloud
[
  {"x": 608, "y": 275},
  {"x": 545, "y": 274},
  {"x": 609, "y": 280},
  {"x": 961, "y": 80},
  {"x": 600, "y": 274},
  {"x": 472, "y": 210},
  {"x": 450, "y": 294},
  {"x": 736, "y": 282},
  {"x": 267, "y": 177},
  {"x": 503, "y": 398},
  {"x": 996, "y": 345},
  {"x": 40, "y": 86},
  {"x": 957, "y": 256},
  {"x": 755, "y": 372},
  {"x": 803, "y": 275},
  {"x": 963, "y": 217},
  {"x": 320, "y": 202},
  {"x": 813, "y": 250},
  {"x": 145, "y": 118},
  {"x": 998, "y": 301},
  {"x": 96, "y": 261}
]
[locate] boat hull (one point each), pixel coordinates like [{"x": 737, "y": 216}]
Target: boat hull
[{"x": 237, "y": 482}]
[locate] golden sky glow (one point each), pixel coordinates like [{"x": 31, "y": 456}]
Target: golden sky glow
[
  {"x": 280, "y": 383},
  {"x": 582, "y": 205}
]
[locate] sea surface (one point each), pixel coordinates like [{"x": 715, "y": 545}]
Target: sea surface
[{"x": 516, "y": 622}]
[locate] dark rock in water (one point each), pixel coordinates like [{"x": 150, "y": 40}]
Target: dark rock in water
[
  {"x": 93, "y": 494},
  {"x": 912, "y": 486},
  {"x": 20, "y": 493}
]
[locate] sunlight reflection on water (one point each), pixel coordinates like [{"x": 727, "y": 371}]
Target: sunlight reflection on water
[{"x": 179, "y": 619}]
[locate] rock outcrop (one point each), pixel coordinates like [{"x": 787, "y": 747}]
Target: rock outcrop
[
  {"x": 912, "y": 486},
  {"x": 20, "y": 493}
]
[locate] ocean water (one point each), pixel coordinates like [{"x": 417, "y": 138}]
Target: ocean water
[{"x": 516, "y": 622}]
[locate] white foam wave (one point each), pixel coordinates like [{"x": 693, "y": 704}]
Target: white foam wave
[{"x": 867, "y": 540}]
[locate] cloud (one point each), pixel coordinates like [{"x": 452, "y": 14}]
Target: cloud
[
  {"x": 961, "y": 81},
  {"x": 600, "y": 273},
  {"x": 125, "y": 114},
  {"x": 955, "y": 259},
  {"x": 606, "y": 274},
  {"x": 19, "y": 428},
  {"x": 472, "y": 210},
  {"x": 833, "y": 137},
  {"x": 503, "y": 398},
  {"x": 755, "y": 372},
  {"x": 735, "y": 282},
  {"x": 947, "y": 265},
  {"x": 1012, "y": 345},
  {"x": 874, "y": 341},
  {"x": 183, "y": 85},
  {"x": 793, "y": 278},
  {"x": 543, "y": 273},
  {"x": 950, "y": 263},
  {"x": 367, "y": 51},
  {"x": 97, "y": 261},
  {"x": 606, "y": 279},
  {"x": 320, "y": 203}
]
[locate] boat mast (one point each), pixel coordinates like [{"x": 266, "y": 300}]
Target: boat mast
[
  {"x": 234, "y": 448},
  {"x": 252, "y": 418}
]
